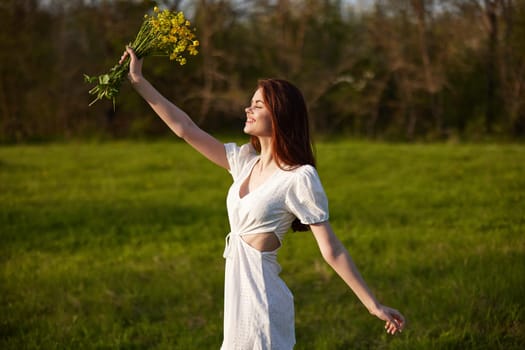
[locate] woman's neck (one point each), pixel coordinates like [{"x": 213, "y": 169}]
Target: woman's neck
[{"x": 266, "y": 159}]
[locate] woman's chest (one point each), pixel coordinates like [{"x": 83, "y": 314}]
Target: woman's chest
[{"x": 265, "y": 202}]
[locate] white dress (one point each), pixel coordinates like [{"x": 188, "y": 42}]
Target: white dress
[{"x": 258, "y": 306}]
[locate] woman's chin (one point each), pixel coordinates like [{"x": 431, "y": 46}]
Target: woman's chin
[{"x": 247, "y": 131}]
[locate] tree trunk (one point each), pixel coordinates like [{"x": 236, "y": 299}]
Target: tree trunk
[
  {"x": 491, "y": 65},
  {"x": 431, "y": 86}
]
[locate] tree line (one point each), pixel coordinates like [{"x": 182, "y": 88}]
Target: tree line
[{"x": 395, "y": 69}]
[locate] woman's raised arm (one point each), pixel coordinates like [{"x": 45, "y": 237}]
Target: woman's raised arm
[
  {"x": 176, "y": 119},
  {"x": 336, "y": 255}
]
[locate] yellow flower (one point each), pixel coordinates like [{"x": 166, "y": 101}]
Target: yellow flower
[{"x": 163, "y": 33}]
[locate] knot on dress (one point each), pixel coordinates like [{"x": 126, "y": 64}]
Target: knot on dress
[{"x": 227, "y": 247}]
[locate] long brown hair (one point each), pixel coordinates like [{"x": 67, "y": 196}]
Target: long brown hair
[{"x": 291, "y": 142}]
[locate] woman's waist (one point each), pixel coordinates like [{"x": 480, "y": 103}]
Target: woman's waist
[{"x": 260, "y": 242}]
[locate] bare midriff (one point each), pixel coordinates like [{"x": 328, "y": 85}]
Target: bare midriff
[{"x": 263, "y": 242}]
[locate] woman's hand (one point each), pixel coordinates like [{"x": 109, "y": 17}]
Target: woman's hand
[
  {"x": 395, "y": 322},
  {"x": 135, "y": 65}
]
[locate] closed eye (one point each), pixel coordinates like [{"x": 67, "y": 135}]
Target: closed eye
[{"x": 257, "y": 104}]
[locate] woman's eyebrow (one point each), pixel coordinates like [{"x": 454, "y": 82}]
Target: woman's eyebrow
[{"x": 256, "y": 101}]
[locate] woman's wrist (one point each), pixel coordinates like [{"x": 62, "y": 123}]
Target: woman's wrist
[
  {"x": 135, "y": 79},
  {"x": 374, "y": 307}
]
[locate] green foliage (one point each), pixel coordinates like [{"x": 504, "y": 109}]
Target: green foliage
[{"x": 118, "y": 245}]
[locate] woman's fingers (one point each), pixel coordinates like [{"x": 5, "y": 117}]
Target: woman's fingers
[
  {"x": 394, "y": 321},
  {"x": 392, "y": 328},
  {"x": 135, "y": 65},
  {"x": 130, "y": 51},
  {"x": 127, "y": 52},
  {"x": 123, "y": 57},
  {"x": 399, "y": 320}
]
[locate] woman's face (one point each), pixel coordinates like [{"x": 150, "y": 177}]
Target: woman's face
[{"x": 258, "y": 117}]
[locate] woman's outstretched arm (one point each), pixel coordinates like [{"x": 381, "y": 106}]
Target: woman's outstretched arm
[
  {"x": 336, "y": 255},
  {"x": 176, "y": 119}
]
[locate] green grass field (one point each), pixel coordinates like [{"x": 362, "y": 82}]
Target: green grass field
[{"x": 119, "y": 246}]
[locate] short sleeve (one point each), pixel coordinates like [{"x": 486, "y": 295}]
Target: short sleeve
[
  {"x": 306, "y": 198},
  {"x": 238, "y": 157}
]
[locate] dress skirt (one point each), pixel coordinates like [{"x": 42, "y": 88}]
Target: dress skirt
[{"x": 258, "y": 306}]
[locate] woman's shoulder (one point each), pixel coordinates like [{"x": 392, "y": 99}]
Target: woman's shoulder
[
  {"x": 244, "y": 150},
  {"x": 304, "y": 170},
  {"x": 302, "y": 174},
  {"x": 244, "y": 146},
  {"x": 239, "y": 156}
]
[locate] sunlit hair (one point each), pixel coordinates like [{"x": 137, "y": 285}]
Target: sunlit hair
[{"x": 291, "y": 142}]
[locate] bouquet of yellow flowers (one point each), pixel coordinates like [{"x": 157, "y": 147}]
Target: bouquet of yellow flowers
[{"x": 164, "y": 33}]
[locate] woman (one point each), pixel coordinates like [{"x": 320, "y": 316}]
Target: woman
[{"x": 275, "y": 187}]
